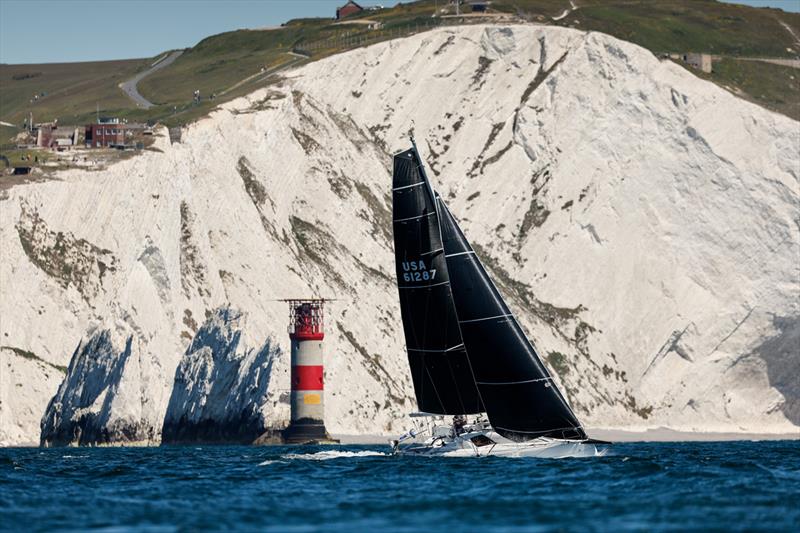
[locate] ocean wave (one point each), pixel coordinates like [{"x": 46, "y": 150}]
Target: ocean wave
[
  {"x": 270, "y": 461},
  {"x": 332, "y": 454}
]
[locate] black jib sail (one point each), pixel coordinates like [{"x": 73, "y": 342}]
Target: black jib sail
[
  {"x": 440, "y": 370},
  {"x": 521, "y": 398}
]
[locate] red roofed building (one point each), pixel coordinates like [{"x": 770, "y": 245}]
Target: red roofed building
[
  {"x": 350, "y": 8},
  {"x": 105, "y": 133}
]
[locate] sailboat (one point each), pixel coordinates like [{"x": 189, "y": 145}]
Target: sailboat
[{"x": 468, "y": 355}]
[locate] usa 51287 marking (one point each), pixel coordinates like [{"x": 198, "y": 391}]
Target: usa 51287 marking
[{"x": 417, "y": 271}]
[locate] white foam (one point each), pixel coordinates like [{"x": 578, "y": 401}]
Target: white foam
[
  {"x": 270, "y": 461},
  {"x": 326, "y": 455}
]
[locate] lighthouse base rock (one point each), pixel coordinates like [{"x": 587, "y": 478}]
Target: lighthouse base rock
[{"x": 641, "y": 222}]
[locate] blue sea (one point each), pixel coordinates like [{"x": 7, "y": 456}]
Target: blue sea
[{"x": 719, "y": 486}]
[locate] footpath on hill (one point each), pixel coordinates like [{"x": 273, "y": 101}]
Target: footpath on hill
[{"x": 129, "y": 87}]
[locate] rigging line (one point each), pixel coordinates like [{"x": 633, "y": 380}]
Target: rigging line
[
  {"x": 458, "y": 389},
  {"x": 513, "y": 382},
  {"x": 421, "y": 393},
  {"x": 491, "y": 449},
  {"x": 433, "y": 383},
  {"x": 424, "y": 176},
  {"x": 408, "y": 186},
  {"x": 432, "y": 252},
  {"x": 485, "y": 318},
  {"x": 414, "y": 218},
  {"x": 423, "y": 286}
]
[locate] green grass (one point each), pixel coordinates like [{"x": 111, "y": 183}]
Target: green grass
[
  {"x": 728, "y": 30},
  {"x": 218, "y": 64},
  {"x": 73, "y": 91},
  {"x": 20, "y": 158},
  {"x": 772, "y": 86},
  {"x": 215, "y": 65},
  {"x": 537, "y": 10},
  {"x": 691, "y": 26}
]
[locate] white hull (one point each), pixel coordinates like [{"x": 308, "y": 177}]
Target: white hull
[{"x": 464, "y": 446}]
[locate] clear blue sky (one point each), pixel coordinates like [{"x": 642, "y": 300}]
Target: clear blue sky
[
  {"x": 786, "y": 5},
  {"x": 53, "y": 31}
]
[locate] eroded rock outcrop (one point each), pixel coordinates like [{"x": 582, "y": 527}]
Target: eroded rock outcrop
[
  {"x": 103, "y": 398},
  {"x": 222, "y": 387}
]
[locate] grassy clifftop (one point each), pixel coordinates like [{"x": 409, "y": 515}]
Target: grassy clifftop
[
  {"x": 234, "y": 63},
  {"x": 691, "y": 26},
  {"x": 727, "y": 31},
  {"x": 64, "y": 90},
  {"x": 231, "y": 63}
]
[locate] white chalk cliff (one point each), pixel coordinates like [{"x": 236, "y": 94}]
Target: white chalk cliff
[{"x": 642, "y": 223}]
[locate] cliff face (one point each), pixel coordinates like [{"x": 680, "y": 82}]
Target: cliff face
[
  {"x": 641, "y": 222},
  {"x": 222, "y": 388},
  {"x": 26, "y": 383}
]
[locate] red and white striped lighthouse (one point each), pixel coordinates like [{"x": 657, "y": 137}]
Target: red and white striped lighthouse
[{"x": 307, "y": 396}]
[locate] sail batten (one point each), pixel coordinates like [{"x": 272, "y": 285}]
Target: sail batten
[
  {"x": 418, "y": 287},
  {"x": 438, "y": 351},
  {"x": 534, "y": 380},
  {"x": 483, "y": 318}
]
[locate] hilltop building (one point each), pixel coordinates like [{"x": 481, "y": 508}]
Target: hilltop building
[
  {"x": 350, "y": 8},
  {"x": 703, "y": 62},
  {"x": 112, "y": 133},
  {"x": 50, "y": 135},
  {"x": 699, "y": 61},
  {"x": 105, "y": 132}
]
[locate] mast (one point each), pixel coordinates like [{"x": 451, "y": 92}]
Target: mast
[{"x": 424, "y": 176}]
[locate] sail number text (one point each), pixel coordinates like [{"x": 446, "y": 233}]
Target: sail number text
[{"x": 417, "y": 271}]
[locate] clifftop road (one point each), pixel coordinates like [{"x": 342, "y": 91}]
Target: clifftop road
[{"x": 129, "y": 87}]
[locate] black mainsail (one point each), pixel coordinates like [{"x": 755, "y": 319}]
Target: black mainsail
[
  {"x": 443, "y": 381},
  {"x": 466, "y": 350}
]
